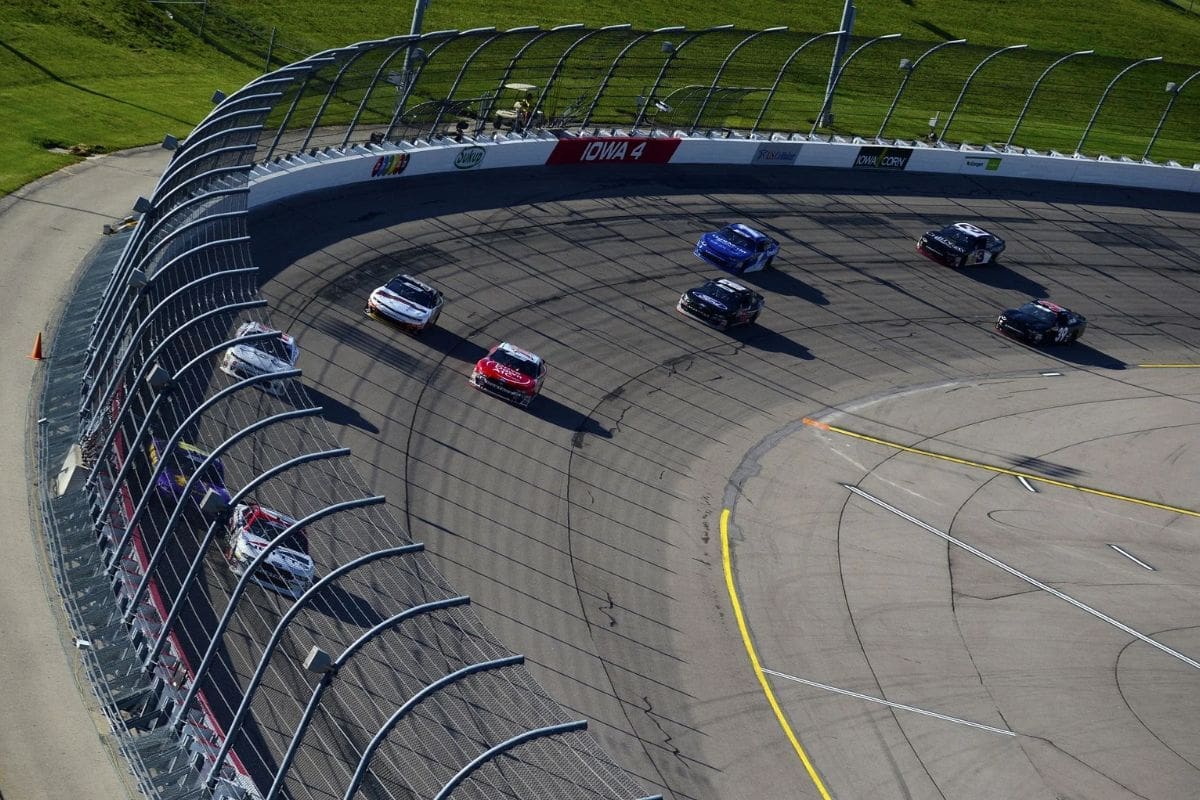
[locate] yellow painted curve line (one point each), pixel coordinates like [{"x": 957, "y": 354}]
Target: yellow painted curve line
[
  {"x": 758, "y": 671},
  {"x": 824, "y": 426}
]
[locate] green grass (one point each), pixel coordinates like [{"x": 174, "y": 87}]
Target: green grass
[{"x": 102, "y": 75}]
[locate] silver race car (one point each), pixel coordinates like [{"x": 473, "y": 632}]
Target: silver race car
[
  {"x": 261, "y": 358},
  {"x": 406, "y": 302}
]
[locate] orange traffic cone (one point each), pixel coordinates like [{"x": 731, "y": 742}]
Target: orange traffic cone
[{"x": 36, "y": 355}]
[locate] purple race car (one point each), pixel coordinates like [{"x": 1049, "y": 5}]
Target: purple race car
[{"x": 186, "y": 459}]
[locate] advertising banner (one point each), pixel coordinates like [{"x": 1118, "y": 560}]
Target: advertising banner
[
  {"x": 776, "y": 154},
  {"x": 613, "y": 150},
  {"x": 892, "y": 159}
]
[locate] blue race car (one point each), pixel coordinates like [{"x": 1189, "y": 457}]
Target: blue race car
[{"x": 737, "y": 248}]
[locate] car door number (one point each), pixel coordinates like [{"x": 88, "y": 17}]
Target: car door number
[{"x": 1062, "y": 335}]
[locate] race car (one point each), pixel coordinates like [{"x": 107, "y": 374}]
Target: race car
[
  {"x": 288, "y": 569},
  {"x": 721, "y": 303},
  {"x": 1042, "y": 322},
  {"x": 510, "y": 373},
  {"x": 406, "y": 302},
  {"x": 959, "y": 245},
  {"x": 261, "y": 358},
  {"x": 737, "y": 248},
  {"x": 181, "y": 465}
]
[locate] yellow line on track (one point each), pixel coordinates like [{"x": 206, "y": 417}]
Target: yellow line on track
[
  {"x": 758, "y": 670},
  {"x": 824, "y": 426}
]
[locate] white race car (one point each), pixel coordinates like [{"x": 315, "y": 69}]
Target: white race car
[
  {"x": 289, "y": 568},
  {"x": 407, "y": 302},
  {"x": 264, "y": 357}
]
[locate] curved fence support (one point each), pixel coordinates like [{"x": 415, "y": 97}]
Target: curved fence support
[
  {"x": 404, "y": 42},
  {"x": 539, "y": 104},
  {"x": 308, "y": 67},
  {"x": 971, "y": 77},
  {"x": 314, "y": 701},
  {"x": 671, "y": 53},
  {"x": 437, "y": 120},
  {"x": 485, "y": 111},
  {"x": 364, "y": 763},
  {"x": 721, "y": 71},
  {"x": 612, "y": 68},
  {"x": 787, "y": 62},
  {"x": 1103, "y": 97},
  {"x": 123, "y": 471},
  {"x": 235, "y": 727},
  {"x": 240, "y": 589},
  {"x": 194, "y": 568},
  {"x": 504, "y": 747},
  {"x": 169, "y": 529},
  {"x": 1033, "y": 91},
  {"x": 824, "y": 117},
  {"x": 909, "y": 68},
  {"x": 1174, "y": 90},
  {"x": 363, "y": 49},
  {"x": 168, "y": 450},
  {"x": 411, "y": 76}
]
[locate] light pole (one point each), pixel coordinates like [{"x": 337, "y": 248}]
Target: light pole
[
  {"x": 824, "y": 113},
  {"x": 909, "y": 68},
  {"x": 1033, "y": 91},
  {"x": 967, "y": 84},
  {"x": 1173, "y": 89},
  {"x": 1103, "y": 97}
]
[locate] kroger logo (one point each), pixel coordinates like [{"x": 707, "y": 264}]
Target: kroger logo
[{"x": 469, "y": 157}]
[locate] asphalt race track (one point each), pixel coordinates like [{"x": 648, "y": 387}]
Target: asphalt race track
[{"x": 970, "y": 574}]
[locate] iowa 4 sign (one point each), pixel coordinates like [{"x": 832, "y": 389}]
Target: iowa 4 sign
[{"x": 613, "y": 150}]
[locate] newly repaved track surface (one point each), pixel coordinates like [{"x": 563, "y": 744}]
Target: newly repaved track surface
[{"x": 588, "y": 529}]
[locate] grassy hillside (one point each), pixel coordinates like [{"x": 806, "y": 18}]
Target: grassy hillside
[{"x": 80, "y": 76}]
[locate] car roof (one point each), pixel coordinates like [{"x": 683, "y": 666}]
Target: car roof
[
  {"x": 512, "y": 349},
  {"x": 732, "y": 286},
  {"x": 409, "y": 279},
  {"x": 967, "y": 227},
  {"x": 746, "y": 230}
]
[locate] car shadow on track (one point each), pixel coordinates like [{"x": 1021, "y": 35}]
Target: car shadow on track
[
  {"x": 551, "y": 410},
  {"x": 1001, "y": 277},
  {"x": 781, "y": 283},
  {"x": 337, "y": 412},
  {"x": 770, "y": 341},
  {"x": 452, "y": 345},
  {"x": 348, "y": 607},
  {"x": 1082, "y": 355}
]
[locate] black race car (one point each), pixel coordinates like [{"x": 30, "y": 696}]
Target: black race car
[
  {"x": 960, "y": 244},
  {"x": 1042, "y": 322},
  {"x": 721, "y": 303}
]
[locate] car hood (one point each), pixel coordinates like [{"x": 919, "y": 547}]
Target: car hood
[
  {"x": 257, "y": 360},
  {"x": 722, "y": 246},
  {"x": 943, "y": 243},
  {"x": 497, "y": 371},
  {"x": 397, "y": 305},
  {"x": 701, "y": 296},
  {"x": 286, "y": 558},
  {"x": 1028, "y": 320}
]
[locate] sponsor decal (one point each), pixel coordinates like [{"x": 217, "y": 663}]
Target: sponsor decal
[
  {"x": 389, "y": 165},
  {"x": 613, "y": 150},
  {"x": 775, "y": 153},
  {"x": 893, "y": 159},
  {"x": 989, "y": 164},
  {"x": 469, "y": 157}
]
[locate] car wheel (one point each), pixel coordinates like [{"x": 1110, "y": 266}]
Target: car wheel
[
  {"x": 753, "y": 318},
  {"x": 962, "y": 262},
  {"x": 722, "y": 325},
  {"x": 1035, "y": 338},
  {"x": 769, "y": 262}
]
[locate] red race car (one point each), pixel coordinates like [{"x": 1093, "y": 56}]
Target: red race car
[{"x": 510, "y": 373}]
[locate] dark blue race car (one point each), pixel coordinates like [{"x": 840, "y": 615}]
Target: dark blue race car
[{"x": 737, "y": 248}]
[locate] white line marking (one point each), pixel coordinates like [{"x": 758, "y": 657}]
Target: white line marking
[
  {"x": 1026, "y": 484},
  {"x": 1051, "y": 374},
  {"x": 881, "y": 701},
  {"x": 1032, "y": 581},
  {"x": 1133, "y": 558}
]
